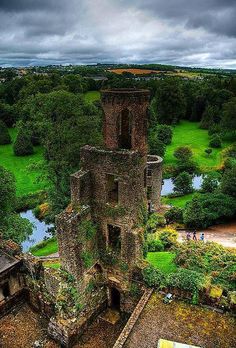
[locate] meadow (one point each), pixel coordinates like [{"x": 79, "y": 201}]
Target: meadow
[{"x": 26, "y": 181}]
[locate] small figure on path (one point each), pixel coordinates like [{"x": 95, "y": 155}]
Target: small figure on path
[
  {"x": 202, "y": 237},
  {"x": 188, "y": 236},
  {"x": 194, "y": 235}
]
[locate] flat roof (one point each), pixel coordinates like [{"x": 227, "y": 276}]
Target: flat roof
[{"x": 6, "y": 261}]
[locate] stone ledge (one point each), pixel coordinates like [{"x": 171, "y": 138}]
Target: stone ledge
[{"x": 133, "y": 319}]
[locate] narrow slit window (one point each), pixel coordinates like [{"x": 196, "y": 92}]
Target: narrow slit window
[
  {"x": 112, "y": 189},
  {"x": 114, "y": 237}
]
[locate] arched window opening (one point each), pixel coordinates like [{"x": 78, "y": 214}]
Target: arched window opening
[{"x": 125, "y": 130}]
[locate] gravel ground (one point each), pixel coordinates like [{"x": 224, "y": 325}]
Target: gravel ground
[{"x": 182, "y": 323}]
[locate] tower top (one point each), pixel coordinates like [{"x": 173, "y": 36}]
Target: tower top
[{"x": 125, "y": 121}]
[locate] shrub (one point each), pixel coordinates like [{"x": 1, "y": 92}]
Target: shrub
[
  {"x": 168, "y": 237},
  {"x": 4, "y": 134},
  {"x": 189, "y": 166},
  {"x": 186, "y": 279},
  {"x": 153, "y": 277},
  {"x": 206, "y": 209},
  {"x": 214, "y": 129},
  {"x": 215, "y": 141},
  {"x": 154, "y": 244},
  {"x": 210, "y": 182},
  {"x": 183, "y": 183},
  {"x": 228, "y": 182},
  {"x": 23, "y": 145},
  {"x": 175, "y": 214},
  {"x": 208, "y": 152},
  {"x": 155, "y": 220},
  {"x": 164, "y": 133},
  {"x": 183, "y": 153},
  {"x": 156, "y": 146}
]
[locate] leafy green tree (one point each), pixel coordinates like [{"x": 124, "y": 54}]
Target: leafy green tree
[
  {"x": 7, "y": 192},
  {"x": 183, "y": 183},
  {"x": 198, "y": 108},
  {"x": 174, "y": 214},
  {"x": 215, "y": 141},
  {"x": 208, "y": 152},
  {"x": 4, "y": 134},
  {"x": 183, "y": 153},
  {"x": 74, "y": 83},
  {"x": 206, "y": 209},
  {"x": 210, "y": 182},
  {"x": 228, "y": 182},
  {"x": 23, "y": 145},
  {"x": 156, "y": 146},
  {"x": 171, "y": 105},
  {"x": 209, "y": 117},
  {"x": 229, "y": 111},
  {"x": 164, "y": 133}
]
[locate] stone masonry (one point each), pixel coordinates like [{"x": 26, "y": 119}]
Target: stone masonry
[{"x": 100, "y": 234}]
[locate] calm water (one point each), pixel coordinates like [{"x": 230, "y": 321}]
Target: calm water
[
  {"x": 39, "y": 230},
  {"x": 168, "y": 187}
]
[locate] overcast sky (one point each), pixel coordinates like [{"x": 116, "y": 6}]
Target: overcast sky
[{"x": 181, "y": 32}]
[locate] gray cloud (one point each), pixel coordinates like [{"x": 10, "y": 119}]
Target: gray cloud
[{"x": 182, "y": 32}]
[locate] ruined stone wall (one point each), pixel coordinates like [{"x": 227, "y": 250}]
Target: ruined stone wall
[
  {"x": 114, "y": 102},
  {"x": 154, "y": 180}
]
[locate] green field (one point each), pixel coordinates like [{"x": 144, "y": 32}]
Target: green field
[
  {"x": 92, "y": 96},
  {"x": 26, "y": 182},
  {"x": 178, "y": 201},
  {"x": 45, "y": 248},
  {"x": 162, "y": 260},
  {"x": 189, "y": 134}
]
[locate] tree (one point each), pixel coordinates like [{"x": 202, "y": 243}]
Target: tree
[
  {"x": 175, "y": 214},
  {"x": 164, "y": 133},
  {"x": 171, "y": 104},
  {"x": 215, "y": 141},
  {"x": 210, "y": 182},
  {"x": 23, "y": 145},
  {"x": 183, "y": 153},
  {"x": 206, "y": 209},
  {"x": 198, "y": 108},
  {"x": 229, "y": 111},
  {"x": 228, "y": 182},
  {"x": 7, "y": 192},
  {"x": 156, "y": 146},
  {"x": 183, "y": 183},
  {"x": 209, "y": 117},
  {"x": 4, "y": 134},
  {"x": 208, "y": 152}
]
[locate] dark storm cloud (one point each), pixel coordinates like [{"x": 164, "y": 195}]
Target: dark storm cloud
[{"x": 183, "y": 32}]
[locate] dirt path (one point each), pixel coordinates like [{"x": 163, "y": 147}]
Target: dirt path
[{"x": 223, "y": 234}]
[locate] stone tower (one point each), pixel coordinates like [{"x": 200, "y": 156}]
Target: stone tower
[{"x": 100, "y": 234}]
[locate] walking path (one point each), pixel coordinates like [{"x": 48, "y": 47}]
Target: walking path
[{"x": 224, "y": 234}]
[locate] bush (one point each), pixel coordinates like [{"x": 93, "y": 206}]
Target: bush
[
  {"x": 168, "y": 237},
  {"x": 175, "y": 214},
  {"x": 183, "y": 183},
  {"x": 23, "y": 145},
  {"x": 154, "y": 244},
  {"x": 156, "y": 146},
  {"x": 183, "y": 153},
  {"x": 164, "y": 133},
  {"x": 228, "y": 182},
  {"x": 4, "y": 134},
  {"x": 189, "y": 166},
  {"x": 210, "y": 182},
  {"x": 207, "y": 209},
  {"x": 155, "y": 220},
  {"x": 208, "y": 152},
  {"x": 153, "y": 277},
  {"x": 215, "y": 141},
  {"x": 186, "y": 279},
  {"x": 214, "y": 129}
]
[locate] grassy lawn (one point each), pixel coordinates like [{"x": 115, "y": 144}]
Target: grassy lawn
[
  {"x": 189, "y": 133},
  {"x": 178, "y": 201},
  {"x": 45, "y": 248},
  {"x": 26, "y": 182},
  {"x": 92, "y": 96},
  {"x": 163, "y": 260}
]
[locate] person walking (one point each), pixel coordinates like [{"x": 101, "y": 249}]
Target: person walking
[
  {"x": 202, "y": 237},
  {"x": 188, "y": 236},
  {"x": 195, "y": 235}
]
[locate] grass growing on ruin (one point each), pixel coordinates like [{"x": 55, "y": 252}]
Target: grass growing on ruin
[
  {"x": 92, "y": 96},
  {"x": 45, "y": 248},
  {"x": 162, "y": 260},
  {"x": 189, "y": 134},
  {"x": 54, "y": 265},
  {"x": 26, "y": 182}
]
